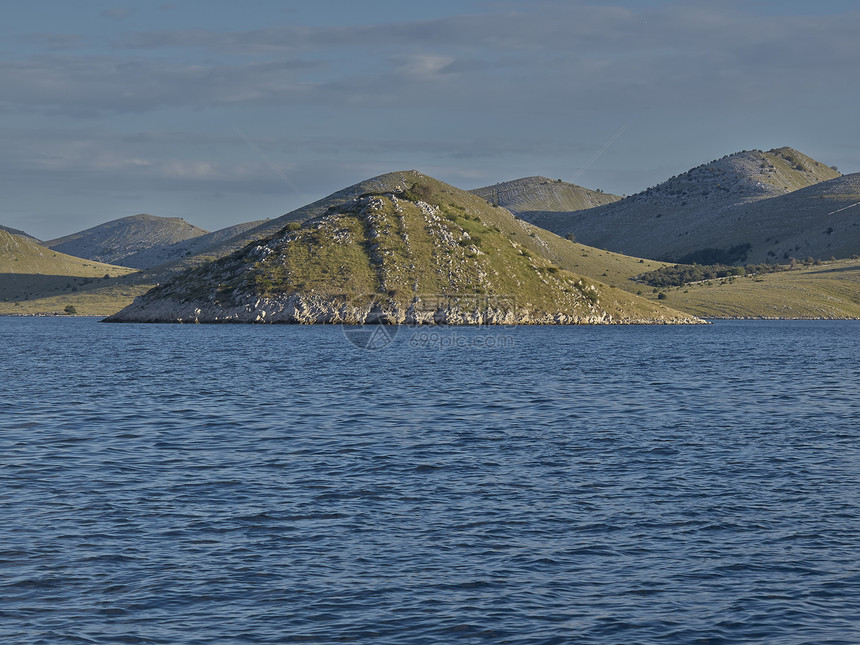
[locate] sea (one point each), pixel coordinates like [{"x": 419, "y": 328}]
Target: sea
[{"x": 318, "y": 484}]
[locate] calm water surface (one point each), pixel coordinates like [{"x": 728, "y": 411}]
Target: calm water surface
[{"x": 268, "y": 484}]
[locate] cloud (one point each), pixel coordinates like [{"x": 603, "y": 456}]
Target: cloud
[
  {"x": 545, "y": 59},
  {"x": 92, "y": 86},
  {"x": 55, "y": 42}
]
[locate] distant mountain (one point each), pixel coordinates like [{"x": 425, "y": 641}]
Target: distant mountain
[
  {"x": 15, "y": 231},
  {"x": 194, "y": 246},
  {"x": 119, "y": 239},
  {"x": 400, "y": 248},
  {"x": 533, "y": 195},
  {"x": 701, "y": 215}
]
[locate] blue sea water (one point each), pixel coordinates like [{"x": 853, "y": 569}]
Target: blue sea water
[{"x": 273, "y": 484}]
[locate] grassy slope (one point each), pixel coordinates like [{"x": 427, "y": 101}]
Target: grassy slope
[
  {"x": 831, "y": 290},
  {"x": 400, "y": 247},
  {"x": 268, "y": 228},
  {"x": 35, "y": 279}
]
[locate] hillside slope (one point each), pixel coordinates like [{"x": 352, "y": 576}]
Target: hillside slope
[
  {"x": 400, "y": 248},
  {"x": 22, "y": 256},
  {"x": 529, "y": 196},
  {"x": 35, "y": 279},
  {"x": 269, "y": 227},
  {"x": 114, "y": 241},
  {"x": 827, "y": 290},
  {"x": 700, "y": 209}
]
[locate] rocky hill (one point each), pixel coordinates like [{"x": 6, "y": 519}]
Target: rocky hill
[
  {"x": 700, "y": 211},
  {"x": 267, "y": 228},
  {"x": 115, "y": 241},
  {"x": 400, "y": 248},
  {"x": 530, "y": 196}
]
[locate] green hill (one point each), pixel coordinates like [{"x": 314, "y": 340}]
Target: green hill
[
  {"x": 703, "y": 214},
  {"x": 116, "y": 241},
  {"x": 23, "y": 256},
  {"x": 35, "y": 279},
  {"x": 267, "y": 228},
  {"x": 400, "y": 248}
]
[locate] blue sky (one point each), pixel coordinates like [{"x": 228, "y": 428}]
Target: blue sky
[{"x": 221, "y": 112}]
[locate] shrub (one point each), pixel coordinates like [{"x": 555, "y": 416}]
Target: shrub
[
  {"x": 711, "y": 255},
  {"x": 418, "y": 193},
  {"x": 71, "y": 310}
]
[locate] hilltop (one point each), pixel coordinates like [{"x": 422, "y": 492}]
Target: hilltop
[
  {"x": 530, "y": 196},
  {"x": 399, "y": 248},
  {"x": 702, "y": 209},
  {"x": 115, "y": 241}
]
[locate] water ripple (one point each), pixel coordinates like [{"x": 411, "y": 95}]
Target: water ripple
[{"x": 194, "y": 484}]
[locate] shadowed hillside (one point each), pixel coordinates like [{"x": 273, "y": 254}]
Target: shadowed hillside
[
  {"x": 195, "y": 246},
  {"x": 702, "y": 209},
  {"x": 115, "y": 241}
]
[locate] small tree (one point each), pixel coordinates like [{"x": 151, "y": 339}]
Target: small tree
[{"x": 71, "y": 310}]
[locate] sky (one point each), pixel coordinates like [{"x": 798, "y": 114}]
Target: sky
[{"x": 222, "y": 112}]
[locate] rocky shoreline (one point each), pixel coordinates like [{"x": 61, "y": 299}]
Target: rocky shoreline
[{"x": 304, "y": 309}]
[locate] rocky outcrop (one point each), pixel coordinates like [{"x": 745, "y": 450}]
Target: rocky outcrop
[{"x": 311, "y": 309}]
